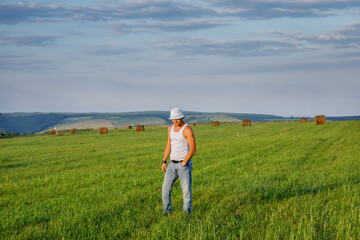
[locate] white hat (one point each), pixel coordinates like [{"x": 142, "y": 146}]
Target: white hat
[{"x": 176, "y": 113}]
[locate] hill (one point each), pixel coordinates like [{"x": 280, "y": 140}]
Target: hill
[{"x": 38, "y": 122}]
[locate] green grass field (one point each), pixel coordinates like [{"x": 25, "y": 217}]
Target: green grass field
[{"x": 269, "y": 181}]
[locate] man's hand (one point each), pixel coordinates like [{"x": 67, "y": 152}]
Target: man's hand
[
  {"x": 183, "y": 164},
  {"x": 163, "y": 167}
]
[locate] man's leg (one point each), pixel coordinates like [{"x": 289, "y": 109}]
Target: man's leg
[
  {"x": 169, "y": 179},
  {"x": 185, "y": 182}
]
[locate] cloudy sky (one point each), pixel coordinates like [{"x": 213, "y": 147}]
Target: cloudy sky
[{"x": 282, "y": 57}]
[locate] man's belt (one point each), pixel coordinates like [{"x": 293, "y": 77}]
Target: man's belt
[{"x": 174, "y": 161}]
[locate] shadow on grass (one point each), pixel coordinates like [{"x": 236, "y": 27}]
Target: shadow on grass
[{"x": 12, "y": 166}]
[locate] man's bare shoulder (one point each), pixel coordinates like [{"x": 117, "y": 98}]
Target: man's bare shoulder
[{"x": 188, "y": 130}]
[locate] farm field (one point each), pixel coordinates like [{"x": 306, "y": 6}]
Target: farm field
[{"x": 276, "y": 180}]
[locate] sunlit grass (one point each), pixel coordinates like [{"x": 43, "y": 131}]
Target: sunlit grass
[{"x": 267, "y": 181}]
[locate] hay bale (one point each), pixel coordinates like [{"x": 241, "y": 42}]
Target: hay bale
[
  {"x": 215, "y": 123},
  {"x": 73, "y": 130},
  {"x": 320, "y": 119},
  {"x": 52, "y": 132},
  {"x": 61, "y": 133},
  {"x": 140, "y": 128},
  {"x": 303, "y": 120},
  {"x": 128, "y": 127},
  {"x": 192, "y": 124},
  {"x": 103, "y": 130},
  {"x": 246, "y": 122}
]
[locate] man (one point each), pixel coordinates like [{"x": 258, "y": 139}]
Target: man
[{"x": 181, "y": 147}]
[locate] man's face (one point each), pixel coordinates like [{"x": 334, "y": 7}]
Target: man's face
[{"x": 177, "y": 122}]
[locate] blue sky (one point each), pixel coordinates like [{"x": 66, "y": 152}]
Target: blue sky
[{"x": 283, "y": 57}]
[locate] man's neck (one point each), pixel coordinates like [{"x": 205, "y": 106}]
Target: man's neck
[{"x": 180, "y": 125}]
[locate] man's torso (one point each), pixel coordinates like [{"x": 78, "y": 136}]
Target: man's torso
[{"x": 179, "y": 144}]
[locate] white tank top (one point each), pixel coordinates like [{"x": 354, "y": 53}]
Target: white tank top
[{"x": 179, "y": 144}]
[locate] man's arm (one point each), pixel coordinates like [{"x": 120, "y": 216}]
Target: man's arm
[
  {"x": 166, "y": 151},
  {"x": 189, "y": 135}
]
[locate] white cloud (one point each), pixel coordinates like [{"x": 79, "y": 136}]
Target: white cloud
[
  {"x": 11, "y": 62},
  {"x": 237, "y": 48},
  {"x": 155, "y": 26},
  {"x": 345, "y": 37},
  {"x": 264, "y": 9},
  {"x": 110, "y": 50},
  {"x": 12, "y": 13},
  {"x": 35, "y": 41}
]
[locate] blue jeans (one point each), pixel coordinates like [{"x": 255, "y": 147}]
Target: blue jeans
[{"x": 174, "y": 171}]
